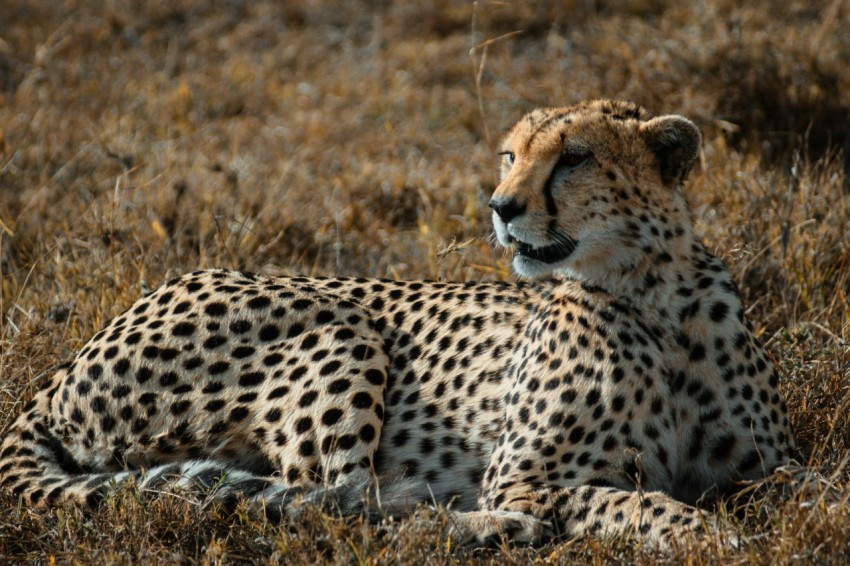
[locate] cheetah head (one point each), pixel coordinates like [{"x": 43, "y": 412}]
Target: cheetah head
[{"x": 592, "y": 190}]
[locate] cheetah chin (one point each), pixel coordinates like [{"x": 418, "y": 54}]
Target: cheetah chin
[
  {"x": 535, "y": 259},
  {"x": 530, "y": 261}
]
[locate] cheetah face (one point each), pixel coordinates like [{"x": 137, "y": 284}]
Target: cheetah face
[{"x": 585, "y": 190}]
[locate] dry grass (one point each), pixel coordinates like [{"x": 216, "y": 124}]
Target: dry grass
[{"x": 137, "y": 143}]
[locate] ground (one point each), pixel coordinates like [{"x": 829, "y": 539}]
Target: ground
[{"x": 140, "y": 143}]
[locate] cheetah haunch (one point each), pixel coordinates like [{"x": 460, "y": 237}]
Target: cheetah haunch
[{"x": 609, "y": 399}]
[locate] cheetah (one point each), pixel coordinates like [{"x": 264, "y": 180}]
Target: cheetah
[{"x": 606, "y": 392}]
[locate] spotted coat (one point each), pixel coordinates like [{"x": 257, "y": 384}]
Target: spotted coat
[{"x": 609, "y": 394}]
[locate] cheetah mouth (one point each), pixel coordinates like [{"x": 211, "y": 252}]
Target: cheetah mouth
[{"x": 553, "y": 253}]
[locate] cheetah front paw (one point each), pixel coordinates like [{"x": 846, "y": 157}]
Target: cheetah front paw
[{"x": 488, "y": 528}]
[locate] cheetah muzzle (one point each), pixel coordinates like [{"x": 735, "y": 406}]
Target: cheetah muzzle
[{"x": 606, "y": 395}]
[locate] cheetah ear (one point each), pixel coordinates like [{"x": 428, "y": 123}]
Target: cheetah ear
[{"x": 675, "y": 140}]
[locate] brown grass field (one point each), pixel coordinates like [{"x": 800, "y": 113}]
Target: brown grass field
[{"x": 355, "y": 137}]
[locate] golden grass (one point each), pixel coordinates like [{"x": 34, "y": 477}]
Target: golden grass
[{"x": 140, "y": 140}]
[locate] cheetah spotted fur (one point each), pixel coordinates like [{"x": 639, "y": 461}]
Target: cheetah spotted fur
[{"x": 608, "y": 394}]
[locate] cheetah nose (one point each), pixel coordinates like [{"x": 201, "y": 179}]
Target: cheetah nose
[{"x": 506, "y": 207}]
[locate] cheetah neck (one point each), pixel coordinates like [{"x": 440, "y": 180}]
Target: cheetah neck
[{"x": 663, "y": 280}]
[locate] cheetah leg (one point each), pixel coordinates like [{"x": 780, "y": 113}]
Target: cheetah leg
[
  {"x": 485, "y": 528},
  {"x": 324, "y": 431},
  {"x": 319, "y": 425},
  {"x": 568, "y": 512}
]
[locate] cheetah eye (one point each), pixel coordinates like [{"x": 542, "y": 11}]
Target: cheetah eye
[
  {"x": 509, "y": 157},
  {"x": 572, "y": 159}
]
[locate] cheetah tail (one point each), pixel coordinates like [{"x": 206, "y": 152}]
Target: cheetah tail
[
  {"x": 358, "y": 494},
  {"x": 35, "y": 466},
  {"x": 39, "y": 469}
]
